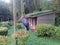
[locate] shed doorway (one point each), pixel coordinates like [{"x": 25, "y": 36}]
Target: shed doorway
[{"x": 32, "y": 22}]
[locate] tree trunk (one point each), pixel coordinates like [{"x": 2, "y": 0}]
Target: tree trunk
[{"x": 14, "y": 14}]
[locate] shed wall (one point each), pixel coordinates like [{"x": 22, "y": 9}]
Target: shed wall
[{"x": 46, "y": 19}]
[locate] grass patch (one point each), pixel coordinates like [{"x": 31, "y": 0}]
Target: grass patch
[{"x": 34, "y": 40}]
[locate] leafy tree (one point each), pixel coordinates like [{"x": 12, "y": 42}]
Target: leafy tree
[{"x": 56, "y": 6}]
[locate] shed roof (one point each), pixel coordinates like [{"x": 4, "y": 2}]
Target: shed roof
[{"x": 39, "y": 13}]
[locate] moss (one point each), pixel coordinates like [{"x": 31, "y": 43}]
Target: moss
[{"x": 39, "y": 12}]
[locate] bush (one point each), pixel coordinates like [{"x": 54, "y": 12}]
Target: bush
[
  {"x": 57, "y": 31},
  {"x": 0, "y": 23},
  {"x": 57, "y": 19},
  {"x": 3, "y": 31},
  {"x": 20, "y": 26},
  {"x": 10, "y": 23},
  {"x": 4, "y": 40},
  {"x": 45, "y": 30},
  {"x": 22, "y": 36},
  {"x": 6, "y": 24}
]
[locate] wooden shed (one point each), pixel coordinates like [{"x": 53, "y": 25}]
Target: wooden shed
[{"x": 42, "y": 17}]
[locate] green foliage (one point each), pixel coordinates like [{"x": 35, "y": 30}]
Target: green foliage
[
  {"x": 57, "y": 19},
  {"x": 57, "y": 31},
  {"x": 0, "y": 24},
  {"x": 20, "y": 26},
  {"x": 56, "y": 6},
  {"x": 3, "y": 30},
  {"x": 34, "y": 40},
  {"x": 39, "y": 12},
  {"x": 22, "y": 36},
  {"x": 6, "y": 24},
  {"x": 45, "y": 4},
  {"x": 45, "y": 30},
  {"x": 10, "y": 23},
  {"x": 4, "y": 40}
]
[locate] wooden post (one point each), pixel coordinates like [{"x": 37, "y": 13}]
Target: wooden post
[
  {"x": 14, "y": 14},
  {"x": 14, "y": 17}
]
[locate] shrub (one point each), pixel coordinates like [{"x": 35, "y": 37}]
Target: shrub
[
  {"x": 4, "y": 40},
  {"x": 10, "y": 23},
  {"x": 57, "y": 19},
  {"x": 5, "y": 24},
  {"x": 20, "y": 26},
  {"x": 57, "y": 31},
  {"x": 22, "y": 36},
  {"x": 0, "y": 23},
  {"x": 3, "y": 30},
  {"x": 45, "y": 30}
]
